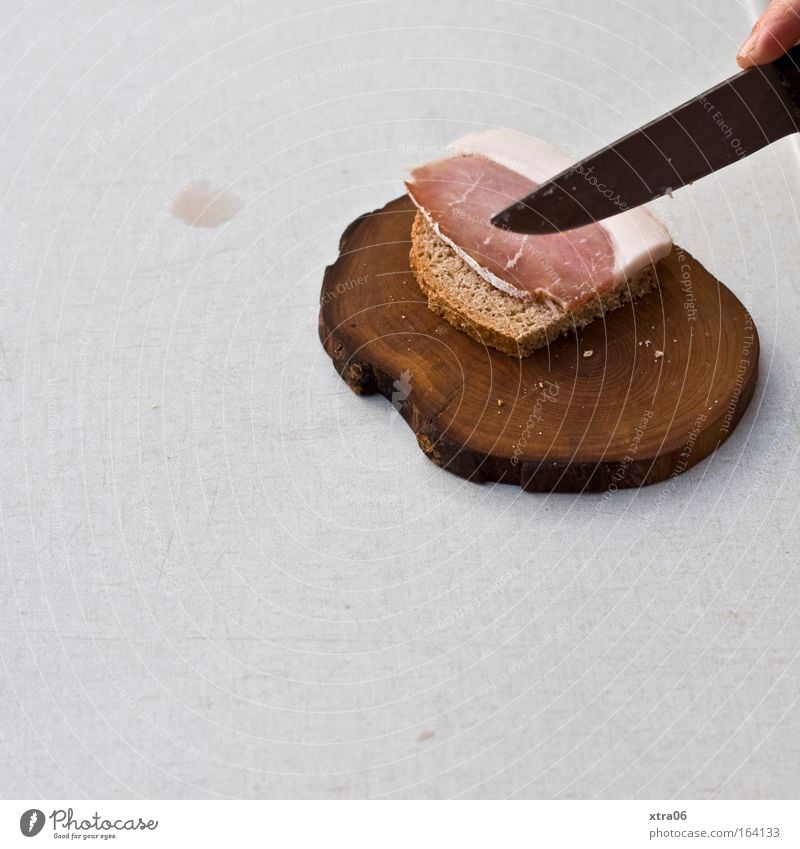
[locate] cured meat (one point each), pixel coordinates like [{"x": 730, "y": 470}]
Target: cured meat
[{"x": 460, "y": 194}]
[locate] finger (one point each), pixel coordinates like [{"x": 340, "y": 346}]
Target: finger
[{"x": 774, "y": 33}]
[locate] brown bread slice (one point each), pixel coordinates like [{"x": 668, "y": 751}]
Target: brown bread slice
[{"x": 512, "y": 325}]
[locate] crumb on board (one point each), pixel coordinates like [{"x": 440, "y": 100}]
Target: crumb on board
[
  {"x": 659, "y": 354},
  {"x": 425, "y": 735},
  {"x": 500, "y": 402},
  {"x": 588, "y": 352},
  {"x": 647, "y": 343}
]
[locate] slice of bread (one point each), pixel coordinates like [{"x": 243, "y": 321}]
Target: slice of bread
[{"x": 512, "y": 325}]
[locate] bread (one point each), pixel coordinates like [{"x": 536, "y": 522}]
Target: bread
[{"x": 512, "y": 325}]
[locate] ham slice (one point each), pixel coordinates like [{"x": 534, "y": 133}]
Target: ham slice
[{"x": 487, "y": 172}]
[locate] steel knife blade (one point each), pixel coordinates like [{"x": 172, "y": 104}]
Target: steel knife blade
[{"x": 724, "y": 124}]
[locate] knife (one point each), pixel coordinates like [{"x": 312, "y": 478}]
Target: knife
[{"x": 724, "y": 124}]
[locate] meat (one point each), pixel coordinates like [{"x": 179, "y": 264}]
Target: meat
[{"x": 489, "y": 171}]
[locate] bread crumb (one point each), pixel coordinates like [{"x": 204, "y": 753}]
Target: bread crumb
[
  {"x": 659, "y": 354},
  {"x": 425, "y": 735},
  {"x": 500, "y": 403},
  {"x": 647, "y": 343},
  {"x": 588, "y": 352},
  {"x": 402, "y": 315}
]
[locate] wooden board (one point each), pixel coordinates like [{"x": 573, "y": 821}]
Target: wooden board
[{"x": 559, "y": 419}]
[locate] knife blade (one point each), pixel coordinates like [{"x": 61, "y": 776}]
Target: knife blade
[{"x": 724, "y": 124}]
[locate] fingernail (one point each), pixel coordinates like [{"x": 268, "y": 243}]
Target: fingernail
[{"x": 747, "y": 48}]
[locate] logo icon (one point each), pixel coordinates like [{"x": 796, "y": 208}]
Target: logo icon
[
  {"x": 402, "y": 389},
  {"x": 31, "y": 822}
]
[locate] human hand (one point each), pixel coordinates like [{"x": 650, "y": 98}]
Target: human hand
[{"x": 774, "y": 33}]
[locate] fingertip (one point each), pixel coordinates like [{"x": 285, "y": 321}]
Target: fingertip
[
  {"x": 748, "y": 48},
  {"x": 760, "y": 48},
  {"x": 749, "y": 60},
  {"x": 773, "y": 34}
]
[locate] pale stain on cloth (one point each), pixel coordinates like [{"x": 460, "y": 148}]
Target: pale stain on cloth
[{"x": 200, "y": 205}]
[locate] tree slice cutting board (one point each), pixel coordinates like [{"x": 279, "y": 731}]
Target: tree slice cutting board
[{"x": 630, "y": 400}]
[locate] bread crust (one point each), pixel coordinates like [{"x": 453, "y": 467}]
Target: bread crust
[{"x": 515, "y": 326}]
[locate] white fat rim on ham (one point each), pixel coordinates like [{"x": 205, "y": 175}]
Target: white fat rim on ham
[
  {"x": 471, "y": 262},
  {"x": 638, "y": 238}
]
